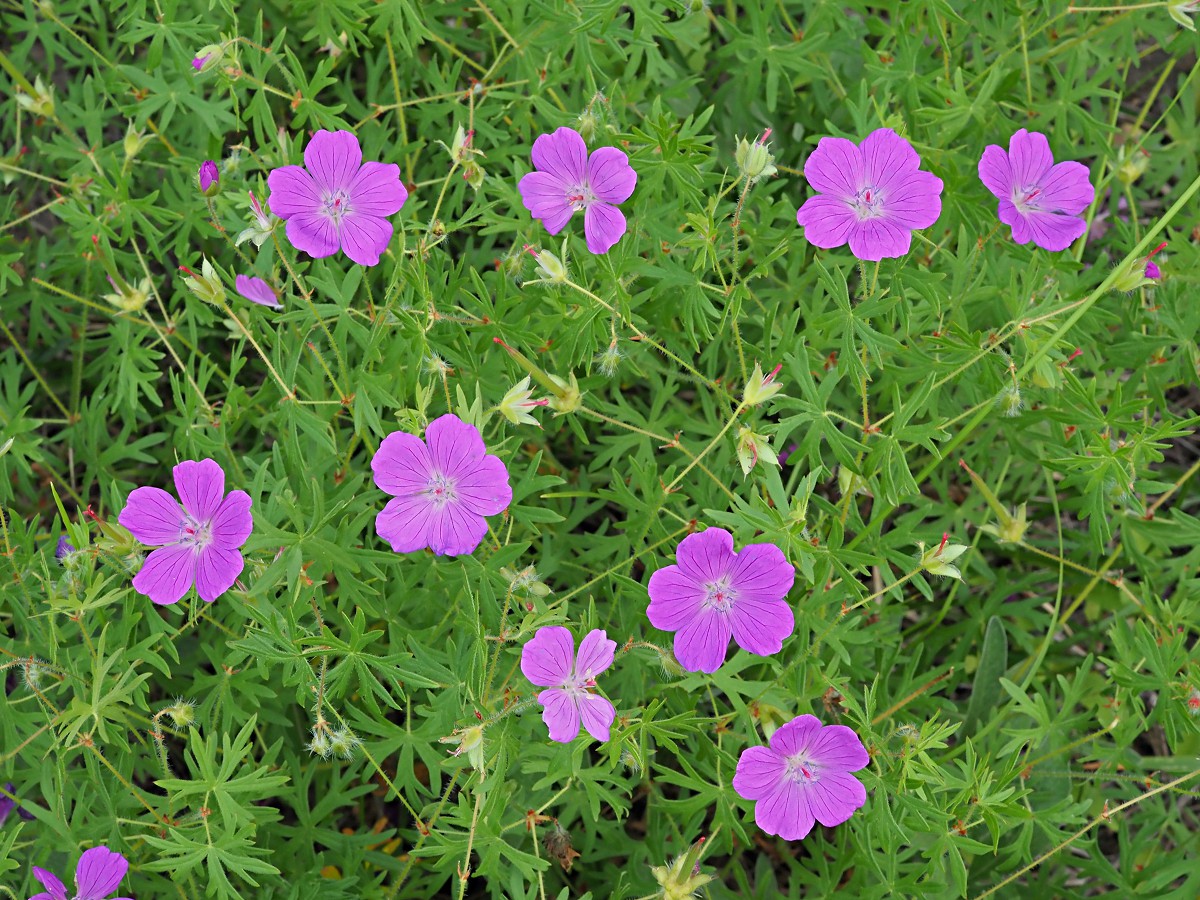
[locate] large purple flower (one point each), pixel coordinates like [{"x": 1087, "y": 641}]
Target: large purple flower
[
  {"x": 567, "y": 180},
  {"x": 711, "y": 593},
  {"x": 802, "y": 777},
  {"x": 1040, "y": 200},
  {"x": 198, "y": 543},
  {"x": 335, "y": 200},
  {"x": 549, "y": 661},
  {"x": 871, "y": 196},
  {"x": 443, "y": 487},
  {"x": 98, "y": 874}
]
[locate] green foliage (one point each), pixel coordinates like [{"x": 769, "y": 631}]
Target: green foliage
[{"x": 309, "y": 734}]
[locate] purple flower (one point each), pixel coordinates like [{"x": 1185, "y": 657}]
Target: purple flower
[
  {"x": 64, "y": 547},
  {"x": 871, "y": 195},
  {"x": 803, "y": 777},
  {"x": 567, "y": 180},
  {"x": 199, "y": 61},
  {"x": 210, "y": 176},
  {"x": 335, "y": 200},
  {"x": 97, "y": 875},
  {"x": 443, "y": 487},
  {"x": 549, "y": 661},
  {"x": 198, "y": 543},
  {"x": 257, "y": 291},
  {"x": 1040, "y": 200},
  {"x": 7, "y": 805},
  {"x": 712, "y": 592},
  {"x": 1153, "y": 271}
]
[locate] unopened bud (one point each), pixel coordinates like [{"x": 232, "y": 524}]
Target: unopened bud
[
  {"x": 40, "y": 102},
  {"x": 470, "y": 744},
  {"x": 938, "y": 560},
  {"x": 608, "y": 360},
  {"x": 682, "y": 878},
  {"x": 553, "y": 270},
  {"x": 128, "y": 298},
  {"x": 207, "y": 285},
  {"x": 586, "y": 125},
  {"x": 754, "y": 159},
  {"x": 207, "y": 57},
  {"x": 1140, "y": 272},
  {"x": 210, "y": 178},
  {"x": 1009, "y": 401},
  {"x": 752, "y": 447},
  {"x": 134, "y": 142}
]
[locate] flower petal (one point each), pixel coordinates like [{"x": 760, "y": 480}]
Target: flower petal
[
  {"x": 610, "y": 176},
  {"x": 405, "y": 522},
  {"x": 561, "y": 714},
  {"x": 706, "y": 555},
  {"x": 876, "y": 239},
  {"x": 1029, "y": 157},
  {"x": 401, "y": 465},
  {"x": 562, "y": 154},
  {"x": 1050, "y": 231},
  {"x": 785, "y": 812},
  {"x": 455, "y": 447},
  {"x": 761, "y": 572},
  {"x": 835, "y": 167},
  {"x": 603, "y": 226},
  {"x": 313, "y": 233},
  {"x": 167, "y": 574},
  {"x": 256, "y": 290},
  {"x": 595, "y": 654},
  {"x": 827, "y": 221},
  {"x": 597, "y": 715},
  {"x": 377, "y": 190},
  {"x": 838, "y": 747},
  {"x": 455, "y": 530},
  {"x": 98, "y": 873},
  {"x": 201, "y": 486},
  {"x": 365, "y": 238},
  {"x": 217, "y": 568},
  {"x": 834, "y": 797},
  {"x": 701, "y": 644},
  {"x": 675, "y": 598},
  {"x": 995, "y": 171},
  {"x": 293, "y": 192},
  {"x": 914, "y": 201},
  {"x": 1066, "y": 188},
  {"x": 548, "y": 659},
  {"x": 333, "y": 158},
  {"x": 759, "y": 771},
  {"x": 55, "y": 889},
  {"x": 232, "y": 522},
  {"x": 485, "y": 491},
  {"x": 761, "y": 627},
  {"x": 887, "y": 159},
  {"x": 153, "y": 516},
  {"x": 546, "y": 198},
  {"x": 794, "y": 737}
]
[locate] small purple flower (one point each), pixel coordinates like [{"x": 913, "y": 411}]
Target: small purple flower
[
  {"x": 803, "y": 777},
  {"x": 1040, "y": 200},
  {"x": 199, "y": 61},
  {"x": 257, "y": 291},
  {"x": 1153, "y": 272},
  {"x": 210, "y": 177},
  {"x": 198, "y": 543},
  {"x": 335, "y": 200},
  {"x": 549, "y": 661},
  {"x": 443, "y": 487},
  {"x": 7, "y": 805},
  {"x": 63, "y": 549},
  {"x": 98, "y": 874},
  {"x": 871, "y": 195},
  {"x": 712, "y": 593},
  {"x": 567, "y": 180}
]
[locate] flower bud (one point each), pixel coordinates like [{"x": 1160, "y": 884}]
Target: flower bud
[
  {"x": 754, "y": 159},
  {"x": 473, "y": 174},
  {"x": 207, "y": 57},
  {"x": 567, "y": 398},
  {"x": 1009, "y": 401},
  {"x": 850, "y": 482},
  {"x": 752, "y": 447},
  {"x": 260, "y": 229},
  {"x": 761, "y": 388},
  {"x": 609, "y": 360},
  {"x": 40, "y": 102},
  {"x": 134, "y": 142},
  {"x": 343, "y": 743},
  {"x": 470, "y": 742},
  {"x": 586, "y": 125},
  {"x": 554, "y": 270},
  {"x": 319, "y": 745},
  {"x": 1140, "y": 272},
  {"x": 210, "y": 178},
  {"x": 128, "y": 298},
  {"x": 1182, "y": 11},
  {"x": 207, "y": 285},
  {"x": 1132, "y": 167},
  {"x": 937, "y": 561},
  {"x": 182, "y": 714},
  {"x": 682, "y": 878}
]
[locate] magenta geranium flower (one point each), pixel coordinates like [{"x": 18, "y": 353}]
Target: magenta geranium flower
[
  {"x": 711, "y": 593},
  {"x": 443, "y": 487},
  {"x": 872, "y": 195},
  {"x": 257, "y": 290},
  {"x": 803, "y": 777},
  {"x": 209, "y": 176},
  {"x": 98, "y": 874},
  {"x": 567, "y": 180},
  {"x": 335, "y": 200},
  {"x": 198, "y": 542},
  {"x": 549, "y": 661},
  {"x": 1040, "y": 200}
]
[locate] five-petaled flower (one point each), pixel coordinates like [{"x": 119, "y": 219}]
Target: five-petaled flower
[
  {"x": 803, "y": 777},
  {"x": 549, "y": 661},
  {"x": 98, "y": 874},
  {"x": 335, "y": 200},
  {"x": 1041, "y": 200},
  {"x": 567, "y": 180},
  {"x": 871, "y": 195},
  {"x": 442, "y": 488},
  {"x": 712, "y": 592},
  {"x": 256, "y": 290},
  {"x": 198, "y": 543}
]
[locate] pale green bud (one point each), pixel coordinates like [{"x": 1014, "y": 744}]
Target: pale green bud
[
  {"x": 40, "y": 102},
  {"x": 761, "y": 388},
  {"x": 938, "y": 560},
  {"x": 752, "y": 447},
  {"x": 207, "y": 285},
  {"x": 754, "y": 159}
]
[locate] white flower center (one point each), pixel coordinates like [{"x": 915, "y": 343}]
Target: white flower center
[
  {"x": 441, "y": 490},
  {"x": 581, "y": 196},
  {"x": 336, "y": 204},
  {"x": 195, "y": 534},
  {"x": 801, "y": 769},
  {"x": 867, "y": 204},
  {"x": 1023, "y": 199},
  {"x": 718, "y": 595}
]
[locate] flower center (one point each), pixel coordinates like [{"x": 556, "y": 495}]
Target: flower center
[
  {"x": 718, "y": 595},
  {"x": 336, "y": 204},
  {"x": 441, "y": 490},
  {"x": 195, "y": 534},
  {"x": 868, "y": 204},
  {"x": 801, "y": 770},
  {"x": 1024, "y": 199},
  {"x": 581, "y": 196}
]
